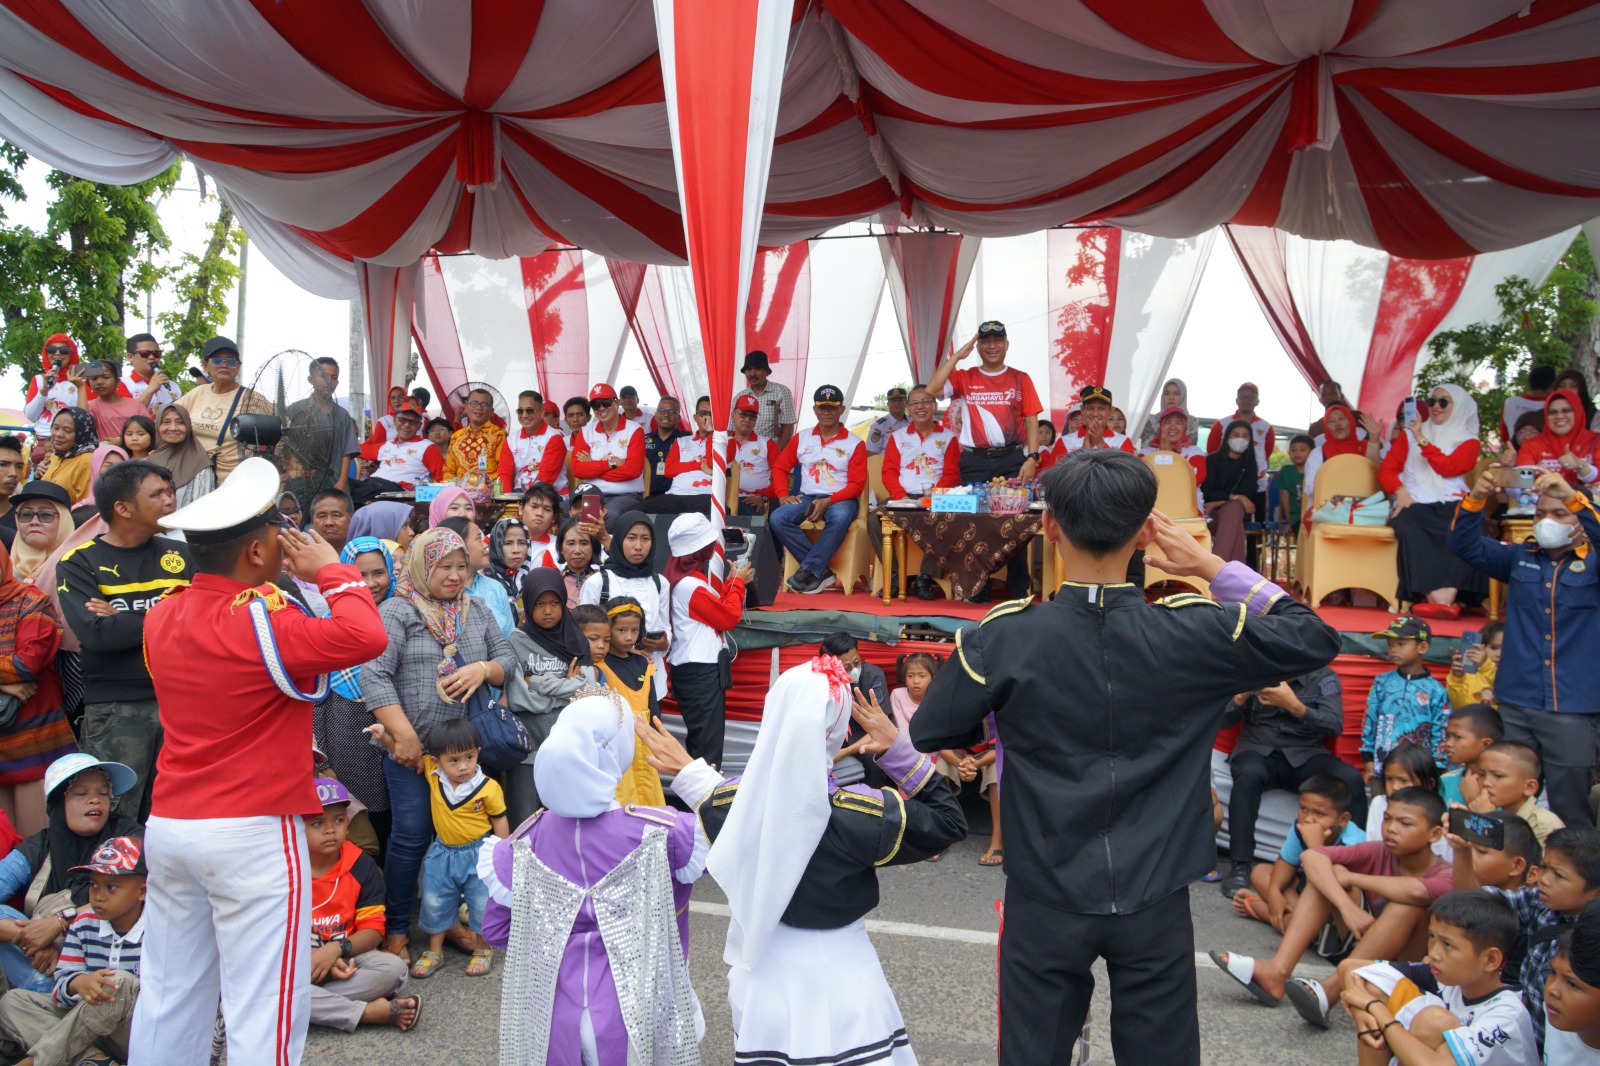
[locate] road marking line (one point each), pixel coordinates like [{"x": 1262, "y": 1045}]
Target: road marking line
[{"x": 971, "y": 936}]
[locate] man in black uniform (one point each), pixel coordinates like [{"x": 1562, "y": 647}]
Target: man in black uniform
[{"x": 1105, "y": 708}]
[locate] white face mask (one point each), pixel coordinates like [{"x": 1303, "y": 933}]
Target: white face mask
[
  {"x": 855, "y": 675},
  {"x": 1238, "y": 445},
  {"x": 1552, "y": 534}
]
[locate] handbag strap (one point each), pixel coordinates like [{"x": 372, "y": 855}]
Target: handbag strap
[{"x": 267, "y": 644}]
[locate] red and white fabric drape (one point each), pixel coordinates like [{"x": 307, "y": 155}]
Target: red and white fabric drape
[
  {"x": 639, "y": 288},
  {"x": 558, "y": 322},
  {"x": 433, "y": 327},
  {"x": 1361, "y": 317},
  {"x": 927, "y": 273},
  {"x": 777, "y": 316},
  {"x": 1117, "y": 305}
]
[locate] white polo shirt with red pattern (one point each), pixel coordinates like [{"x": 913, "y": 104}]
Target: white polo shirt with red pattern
[
  {"x": 836, "y": 467},
  {"x": 913, "y": 464}
]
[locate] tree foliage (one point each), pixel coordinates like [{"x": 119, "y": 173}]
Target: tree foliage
[
  {"x": 1554, "y": 324},
  {"x": 99, "y": 251}
]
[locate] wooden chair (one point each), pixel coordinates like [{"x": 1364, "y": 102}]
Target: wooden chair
[
  {"x": 1175, "y": 498},
  {"x": 853, "y": 561},
  {"x": 1335, "y": 556},
  {"x": 732, "y": 489}
]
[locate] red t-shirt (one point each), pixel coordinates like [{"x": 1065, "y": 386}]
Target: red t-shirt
[
  {"x": 348, "y": 898},
  {"x": 996, "y": 405},
  {"x": 1372, "y": 858}
]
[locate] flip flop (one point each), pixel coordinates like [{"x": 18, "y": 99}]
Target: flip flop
[
  {"x": 1245, "y": 900},
  {"x": 936, "y": 858},
  {"x": 1310, "y": 999},
  {"x": 994, "y": 857},
  {"x": 1242, "y": 968},
  {"x": 395, "y": 1009},
  {"x": 1213, "y": 877}
]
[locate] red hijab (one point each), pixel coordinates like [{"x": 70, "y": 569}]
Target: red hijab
[
  {"x": 1351, "y": 445},
  {"x": 71, "y": 359},
  {"x": 1580, "y": 439}
]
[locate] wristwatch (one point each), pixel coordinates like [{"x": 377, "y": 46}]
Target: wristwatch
[
  {"x": 346, "y": 948},
  {"x": 1034, "y": 456}
]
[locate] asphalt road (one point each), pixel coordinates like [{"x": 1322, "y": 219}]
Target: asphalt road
[{"x": 940, "y": 961}]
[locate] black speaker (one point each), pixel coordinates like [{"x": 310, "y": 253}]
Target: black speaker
[{"x": 746, "y": 535}]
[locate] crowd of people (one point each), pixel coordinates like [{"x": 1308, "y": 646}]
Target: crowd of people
[{"x": 451, "y": 717}]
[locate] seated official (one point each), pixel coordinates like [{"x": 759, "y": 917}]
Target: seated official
[
  {"x": 833, "y": 473},
  {"x": 918, "y": 458},
  {"x": 755, "y": 455},
  {"x": 400, "y": 463},
  {"x": 688, "y": 465}
]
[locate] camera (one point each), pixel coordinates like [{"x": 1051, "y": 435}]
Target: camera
[{"x": 260, "y": 432}]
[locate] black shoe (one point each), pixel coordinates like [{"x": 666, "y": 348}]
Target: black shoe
[
  {"x": 924, "y": 588},
  {"x": 1238, "y": 877},
  {"x": 802, "y": 581},
  {"x": 982, "y": 595},
  {"x": 821, "y": 584}
]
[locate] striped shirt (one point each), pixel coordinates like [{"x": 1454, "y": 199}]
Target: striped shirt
[{"x": 91, "y": 945}]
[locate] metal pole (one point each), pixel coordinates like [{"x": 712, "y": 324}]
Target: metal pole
[
  {"x": 244, "y": 288},
  {"x": 358, "y": 369}
]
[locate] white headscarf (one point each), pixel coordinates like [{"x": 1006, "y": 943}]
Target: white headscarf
[
  {"x": 580, "y": 763},
  {"x": 782, "y": 807},
  {"x": 1426, "y": 484}
]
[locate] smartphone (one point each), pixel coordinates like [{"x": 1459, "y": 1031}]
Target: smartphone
[
  {"x": 1485, "y": 830},
  {"x": 589, "y": 508},
  {"x": 1526, "y": 475},
  {"x": 1469, "y": 641}
]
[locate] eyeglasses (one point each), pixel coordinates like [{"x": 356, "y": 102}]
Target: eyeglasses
[
  {"x": 58, "y": 349},
  {"x": 224, "y": 360},
  {"x": 602, "y": 403},
  {"x": 24, "y": 517},
  {"x": 529, "y": 411},
  {"x": 479, "y": 404},
  {"x": 1438, "y": 401},
  {"x": 920, "y": 403}
]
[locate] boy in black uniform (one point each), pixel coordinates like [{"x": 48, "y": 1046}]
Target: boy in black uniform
[{"x": 1105, "y": 707}]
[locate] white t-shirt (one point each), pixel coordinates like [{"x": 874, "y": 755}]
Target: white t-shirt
[
  {"x": 653, "y": 596},
  {"x": 1562, "y": 1048}
]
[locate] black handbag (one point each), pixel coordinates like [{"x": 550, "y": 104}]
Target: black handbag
[{"x": 503, "y": 740}]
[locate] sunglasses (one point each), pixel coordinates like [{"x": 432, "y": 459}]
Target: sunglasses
[
  {"x": 602, "y": 403},
  {"x": 529, "y": 411},
  {"x": 1437, "y": 401},
  {"x": 24, "y": 517},
  {"x": 147, "y": 353},
  {"x": 224, "y": 360}
]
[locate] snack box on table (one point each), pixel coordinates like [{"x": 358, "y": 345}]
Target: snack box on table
[{"x": 958, "y": 503}]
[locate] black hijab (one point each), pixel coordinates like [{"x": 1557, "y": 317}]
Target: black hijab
[
  {"x": 566, "y": 641},
  {"x": 1227, "y": 473},
  {"x": 618, "y": 563},
  {"x": 66, "y": 849}
]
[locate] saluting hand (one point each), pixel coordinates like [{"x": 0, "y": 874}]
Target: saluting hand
[
  {"x": 1178, "y": 553},
  {"x": 304, "y": 553}
]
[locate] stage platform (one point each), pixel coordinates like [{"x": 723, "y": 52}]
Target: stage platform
[{"x": 772, "y": 639}]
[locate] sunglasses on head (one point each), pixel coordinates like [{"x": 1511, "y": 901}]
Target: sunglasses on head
[{"x": 1437, "y": 401}]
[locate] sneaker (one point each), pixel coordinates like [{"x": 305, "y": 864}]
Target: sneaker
[
  {"x": 821, "y": 584},
  {"x": 801, "y": 582}
]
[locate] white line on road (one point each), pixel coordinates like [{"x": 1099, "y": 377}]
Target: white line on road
[{"x": 971, "y": 936}]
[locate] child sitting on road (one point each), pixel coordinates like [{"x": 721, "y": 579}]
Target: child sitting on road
[
  {"x": 1409, "y": 766},
  {"x": 1476, "y": 686},
  {"x": 1568, "y": 879},
  {"x": 1572, "y": 996},
  {"x": 90, "y": 1010},
  {"x": 1398, "y": 877},
  {"x": 467, "y": 806},
  {"x": 1452, "y": 1007},
  {"x": 1467, "y": 735},
  {"x": 1508, "y": 780},
  {"x": 917, "y": 671},
  {"x": 352, "y": 982},
  {"x": 1324, "y": 819},
  {"x": 630, "y": 675},
  {"x": 1513, "y": 865},
  {"x": 1406, "y": 703}
]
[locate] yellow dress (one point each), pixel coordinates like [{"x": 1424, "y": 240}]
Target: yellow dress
[{"x": 640, "y": 784}]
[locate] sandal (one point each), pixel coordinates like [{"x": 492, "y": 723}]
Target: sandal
[
  {"x": 1242, "y": 969},
  {"x": 396, "y": 1010},
  {"x": 428, "y": 962},
  {"x": 936, "y": 858},
  {"x": 399, "y": 946},
  {"x": 482, "y": 959},
  {"x": 992, "y": 857},
  {"x": 1247, "y": 904}
]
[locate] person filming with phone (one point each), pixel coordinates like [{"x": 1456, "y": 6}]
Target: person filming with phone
[{"x": 1548, "y": 682}]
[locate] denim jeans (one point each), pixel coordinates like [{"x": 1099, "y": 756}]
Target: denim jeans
[
  {"x": 17, "y": 967},
  {"x": 785, "y": 523},
  {"x": 409, "y": 838},
  {"x": 449, "y": 877}
]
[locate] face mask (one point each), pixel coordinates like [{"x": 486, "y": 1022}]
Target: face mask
[
  {"x": 855, "y": 675},
  {"x": 1237, "y": 445},
  {"x": 1552, "y": 534}
]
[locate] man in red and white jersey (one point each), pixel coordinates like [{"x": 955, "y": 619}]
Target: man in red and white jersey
[
  {"x": 533, "y": 451},
  {"x": 142, "y": 376},
  {"x": 383, "y": 427},
  {"x": 688, "y": 464},
  {"x": 609, "y": 452},
  {"x": 406, "y": 460},
  {"x": 1000, "y": 424},
  {"x": 1261, "y": 434},
  {"x": 1094, "y": 429},
  {"x": 833, "y": 474},
  {"x": 921, "y": 456},
  {"x": 755, "y": 455}
]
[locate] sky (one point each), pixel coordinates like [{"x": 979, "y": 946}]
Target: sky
[{"x": 1226, "y": 340}]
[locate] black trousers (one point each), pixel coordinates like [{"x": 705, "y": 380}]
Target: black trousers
[
  {"x": 1255, "y": 774},
  {"x": 975, "y": 468},
  {"x": 364, "y": 490},
  {"x": 1046, "y": 983},
  {"x": 698, "y": 690},
  {"x": 675, "y": 505}
]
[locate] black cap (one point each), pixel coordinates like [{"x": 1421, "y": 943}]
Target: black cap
[
  {"x": 41, "y": 490},
  {"x": 828, "y": 396},
  {"x": 896, "y": 393},
  {"x": 627, "y": 390},
  {"x": 757, "y": 360},
  {"x": 218, "y": 344},
  {"x": 992, "y": 328},
  {"x": 1094, "y": 392},
  {"x": 1406, "y": 627}
]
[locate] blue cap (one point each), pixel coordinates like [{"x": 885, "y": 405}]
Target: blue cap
[{"x": 67, "y": 767}]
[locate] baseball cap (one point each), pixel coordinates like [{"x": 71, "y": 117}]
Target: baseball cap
[
  {"x": 896, "y": 393},
  {"x": 1091, "y": 393},
  {"x": 828, "y": 396},
  {"x": 409, "y": 407},
  {"x": 1405, "y": 627},
  {"x": 117, "y": 857},
  {"x": 747, "y": 403},
  {"x": 1167, "y": 412},
  {"x": 551, "y": 408},
  {"x": 628, "y": 390},
  {"x": 992, "y": 329},
  {"x": 67, "y": 767},
  {"x": 602, "y": 391},
  {"x": 218, "y": 344},
  {"x": 331, "y": 791}
]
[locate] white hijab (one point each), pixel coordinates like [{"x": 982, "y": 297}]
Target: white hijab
[
  {"x": 580, "y": 763},
  {"x": 782, "y": 807},
  {"x": 1426, "y": 484}
]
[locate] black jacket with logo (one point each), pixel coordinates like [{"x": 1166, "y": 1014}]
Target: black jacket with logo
[{"x": 131, "y": 580}]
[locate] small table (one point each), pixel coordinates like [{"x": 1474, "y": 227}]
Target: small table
[
  {"x": 1513, "y": 530},
  {"x": 967, "y": 548}
]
